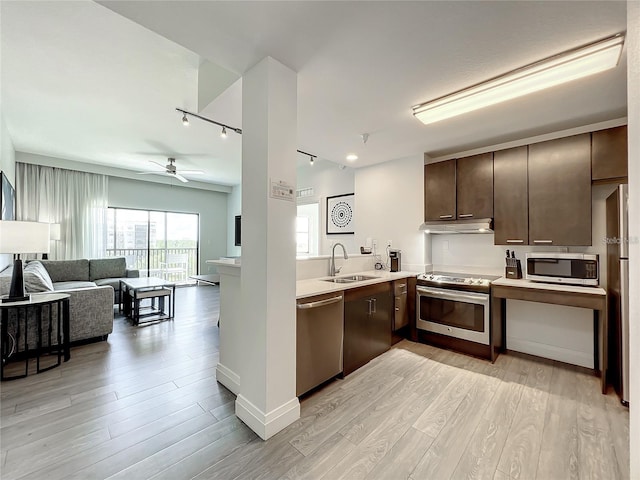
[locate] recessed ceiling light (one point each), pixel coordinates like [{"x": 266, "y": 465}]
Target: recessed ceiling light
[
  {"x": 571, "y": 65},
  {"x": 352, "y": 156}
]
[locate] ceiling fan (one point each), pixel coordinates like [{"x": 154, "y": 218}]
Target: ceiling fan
[{"x": 171, "y": 170}]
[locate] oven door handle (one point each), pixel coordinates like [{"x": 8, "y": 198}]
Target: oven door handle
[{"x": 469, "y": 297}]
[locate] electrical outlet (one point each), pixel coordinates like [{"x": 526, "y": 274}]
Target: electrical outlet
[
  {"x": 374, "y": 243},
  {"x": 389, "y": 243}
]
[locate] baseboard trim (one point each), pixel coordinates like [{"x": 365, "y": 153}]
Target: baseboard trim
[
  {"x": 267, "y": 425},
  {"x": 553, "y": 352},
  {"x": 228, "y": 378}
]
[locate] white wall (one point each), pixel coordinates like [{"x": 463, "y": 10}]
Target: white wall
[
  {"x": 8, "y": 167},
  {"x": 389, "y": 206},
  {"x": 211, "y": 206},
  {"x": 234, "y": 207},
  {"x": 633, "y": 102},
  {"x": 327, "y": 179}
]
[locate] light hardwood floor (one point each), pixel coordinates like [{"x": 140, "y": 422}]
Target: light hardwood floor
[{"x": 146, "y": 404}]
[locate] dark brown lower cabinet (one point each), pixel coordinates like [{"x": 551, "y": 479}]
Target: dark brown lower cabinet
[{"x": 367, "y": 324}]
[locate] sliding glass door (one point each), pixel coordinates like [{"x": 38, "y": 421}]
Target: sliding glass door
[{"x": 159, "y": 244}]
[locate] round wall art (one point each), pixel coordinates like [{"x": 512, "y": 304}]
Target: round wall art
[{"x": 340, "y": 213}]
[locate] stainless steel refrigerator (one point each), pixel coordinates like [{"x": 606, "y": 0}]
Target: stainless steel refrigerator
[{"x": 618, "y": 290}]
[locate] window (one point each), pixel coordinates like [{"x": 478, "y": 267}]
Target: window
[
  {"x": 158, "y": 243},
  {"x": 307, "y": 228}
]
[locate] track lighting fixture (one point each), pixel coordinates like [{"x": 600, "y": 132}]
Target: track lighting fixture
[{"x": 223, "y": 134}]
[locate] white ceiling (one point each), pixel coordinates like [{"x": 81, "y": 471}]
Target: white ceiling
[{"x": 82, "y": 82}]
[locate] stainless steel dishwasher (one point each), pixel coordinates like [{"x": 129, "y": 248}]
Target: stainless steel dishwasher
[{"x": 320, "y": 333}]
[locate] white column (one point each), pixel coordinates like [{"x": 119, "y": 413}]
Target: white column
[{"x": 267, "y": 401}]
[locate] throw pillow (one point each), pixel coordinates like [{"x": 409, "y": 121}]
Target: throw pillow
[
  {"x": 5, "y": 280},
  {"x": 36, "y": 278}
]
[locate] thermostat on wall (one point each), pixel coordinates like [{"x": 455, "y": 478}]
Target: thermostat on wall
[{"x": 282, "y": 190}]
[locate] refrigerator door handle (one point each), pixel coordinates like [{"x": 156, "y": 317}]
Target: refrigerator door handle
[
  {"x": 624, "y": 328},
  {"x": 623, "y": 220}
]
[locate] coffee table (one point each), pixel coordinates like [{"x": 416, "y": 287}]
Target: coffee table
[{"x": 134, "y": 290}]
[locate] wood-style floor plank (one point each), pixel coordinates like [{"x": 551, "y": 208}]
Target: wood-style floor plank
[{"x": 146, "y": 404}]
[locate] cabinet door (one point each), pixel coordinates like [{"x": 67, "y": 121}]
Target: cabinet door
[
  {"x": 440, "y": 191},
  {"x": 510, "y": 197},
  {"x": 356, "y": 334},
  {"x": 474, "y": 186},
  {"x": 560, "y": 191},
  {"x": 609, "y": 155},
  {"x": 380, "y": 324}
]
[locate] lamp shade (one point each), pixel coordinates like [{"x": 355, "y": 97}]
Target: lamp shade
[
  {"x": 24, "y": 237},
  {"x": 54, "y": 231}
]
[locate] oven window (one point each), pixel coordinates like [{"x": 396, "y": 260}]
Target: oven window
[{"x": 468, "y": 316}]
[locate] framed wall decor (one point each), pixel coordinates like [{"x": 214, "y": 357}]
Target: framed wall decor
[
  {"x": 340, "y": 214},
  {"x": 7, "y": 199}
]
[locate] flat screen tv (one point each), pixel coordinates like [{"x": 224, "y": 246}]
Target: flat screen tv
[{"x": 237, "y": 242}]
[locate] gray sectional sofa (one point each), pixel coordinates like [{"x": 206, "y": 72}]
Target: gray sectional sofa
[{"x": 91, "y": 284}]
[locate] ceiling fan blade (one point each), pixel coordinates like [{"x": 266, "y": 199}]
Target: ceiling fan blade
[
  {"x": 163, "y": 167},
  {"x": 180, "y": 177},
  {"x": 149, "y": 173},
  {"x": 192, "y": 172}
]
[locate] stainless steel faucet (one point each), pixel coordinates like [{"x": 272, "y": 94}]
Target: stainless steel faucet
[{"x": 332, "y": 267}]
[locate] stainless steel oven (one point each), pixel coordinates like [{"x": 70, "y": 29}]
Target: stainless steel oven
[{"x": 455, "y": 306}]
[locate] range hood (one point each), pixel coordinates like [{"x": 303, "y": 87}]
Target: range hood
[{"x": 476, "y": 225}]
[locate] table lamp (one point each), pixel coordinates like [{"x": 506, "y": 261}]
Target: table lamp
[{"x": 21, "y": 237}]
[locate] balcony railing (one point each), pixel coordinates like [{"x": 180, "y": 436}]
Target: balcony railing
[{"x": 137, "y": 258}]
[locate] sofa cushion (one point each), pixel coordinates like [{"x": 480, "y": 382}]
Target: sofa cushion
[
  {"x": 36, "y": 278},
  {"x": 112, "y": 282},
  {"x": 67, "y": 270},
  {"x": 72, "y": 285},
  {"x": 107, "y": 268}
]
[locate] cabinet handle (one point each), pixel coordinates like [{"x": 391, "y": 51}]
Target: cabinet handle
[
  {"x": 515, "y": 241},
  {"x": 446, "y": 216},
  {"x": 375, "y": 302},
  {"x": 369, "y": 303},
  {"x": 465, "y": 215},
  {"x": 319, "y": 303},
  {"x": 543, "y": 241}
]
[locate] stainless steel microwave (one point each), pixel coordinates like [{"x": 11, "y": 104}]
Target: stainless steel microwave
[{"x": 568, "y": 268}]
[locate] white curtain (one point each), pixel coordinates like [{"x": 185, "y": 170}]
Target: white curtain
[{"x": 78, "y": 201}]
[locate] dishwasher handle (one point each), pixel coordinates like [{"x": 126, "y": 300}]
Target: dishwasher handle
[{"x": 319, "y": 303}]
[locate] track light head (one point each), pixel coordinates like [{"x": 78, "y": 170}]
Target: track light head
[
  {"x": 311, "y": 159},
  {"x": 223, "y": 134},
  {"x": 185, "y": 120}
]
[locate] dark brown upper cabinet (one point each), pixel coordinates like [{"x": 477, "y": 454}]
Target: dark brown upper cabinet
[
  {"x": 609, "y": 155},
  {"x": 560, "y": 191},
  {"x": 510, "y": 197},
  {"x": 474, "y": 186},
  {"x": 440, "y": 191}
]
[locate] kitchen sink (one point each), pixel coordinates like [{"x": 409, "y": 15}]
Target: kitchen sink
[{"x": 349, "y": 279}]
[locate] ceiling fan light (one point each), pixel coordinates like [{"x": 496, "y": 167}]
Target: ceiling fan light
[
  {"x": 185, "y": 120},
  {"x": 565, "y": 67}
]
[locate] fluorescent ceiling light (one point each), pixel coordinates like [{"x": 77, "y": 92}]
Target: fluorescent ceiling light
[
  {"x": 352, "y": 157},
  {"x": 565, "y": 67}
]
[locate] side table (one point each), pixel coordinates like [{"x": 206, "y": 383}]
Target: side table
[{"x": 37, "y": 312}]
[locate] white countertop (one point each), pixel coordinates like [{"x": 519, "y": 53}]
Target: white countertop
[
  {"x": 317, "y": 286},
  {"x": 556, "y": 287}
]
